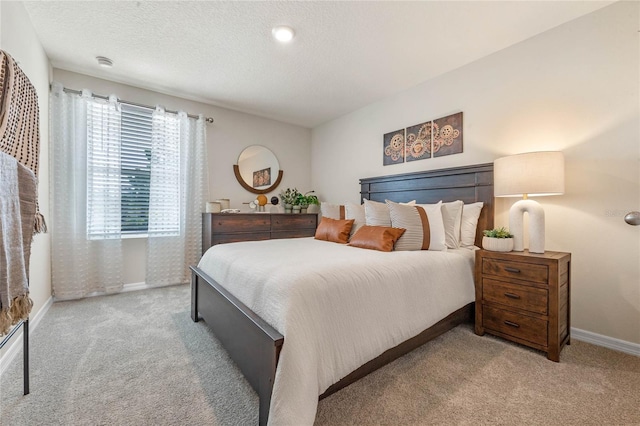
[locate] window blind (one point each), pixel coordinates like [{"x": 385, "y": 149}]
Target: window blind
[
  {"x": 135, "y": 177},
  {"x": 133, "y": 171}
]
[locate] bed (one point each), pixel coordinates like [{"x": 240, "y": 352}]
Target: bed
[{"x": 251, "y": 336}]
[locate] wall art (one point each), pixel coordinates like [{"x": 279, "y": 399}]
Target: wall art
[
  {"x": 447, "y": 135},
  {"x": 393, "y": 148},
  {"x": 262, "y": 177},
  {"x": 418, "y": 141}
]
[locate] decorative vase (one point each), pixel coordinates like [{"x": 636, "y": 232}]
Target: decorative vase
[
  {"x": 296, "y": 209},
  {"x": 287, "y": 208},
  {"x": 497, "y": 244}
]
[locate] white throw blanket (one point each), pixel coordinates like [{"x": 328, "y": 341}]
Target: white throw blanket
[
  {"x": 17, "y": 213},
  {"x": 337, "y": 306}
]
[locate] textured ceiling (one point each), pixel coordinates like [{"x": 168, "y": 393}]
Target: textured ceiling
[{"x": 345, "y": 54}]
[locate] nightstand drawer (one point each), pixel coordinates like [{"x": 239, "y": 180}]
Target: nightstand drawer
[
  {"x": 521, "y": 326},
  {"x": 514, "y": 295},
  {"x": 518, "y": 270}
]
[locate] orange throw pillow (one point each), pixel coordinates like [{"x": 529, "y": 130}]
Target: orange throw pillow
[
  {"x": 376, "y": 237},
  {"x": 334, "y": 230}
]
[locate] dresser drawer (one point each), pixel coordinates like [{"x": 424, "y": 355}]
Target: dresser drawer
[
  {"x": 226, "y": 223},
  {"x": 518, "y": 270},
  {"x": 237, "y": 237},
  {"x": 298, "y": 233},
  {"x": 521, "y": 326},
  {"x": 514, "y": 295},
  {"x": 290, "y": 222}
]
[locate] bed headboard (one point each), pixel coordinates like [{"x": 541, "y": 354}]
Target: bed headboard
[{"x": 467, "y": 183}]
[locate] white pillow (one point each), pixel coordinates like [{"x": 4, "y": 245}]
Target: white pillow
[
  {"x": 470, "y": 215},
  {"x": 355, "y": 212},
  {"x": 418, "y": 225},
  {"x": 332, "y": 211},
  {"x": 376, "y": 213},
  {"x": 452, "y": 218}
]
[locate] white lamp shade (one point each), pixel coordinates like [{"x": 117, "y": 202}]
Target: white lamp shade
[{"x": 531, "y": 173}]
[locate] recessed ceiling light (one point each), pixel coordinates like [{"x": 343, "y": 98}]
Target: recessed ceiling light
[
  {"x": 283, "y": 33},
  {"x": 104, "y": 62}
]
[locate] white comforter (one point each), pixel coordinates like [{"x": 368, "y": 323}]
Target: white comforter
[{"x": 337, "y": 306}]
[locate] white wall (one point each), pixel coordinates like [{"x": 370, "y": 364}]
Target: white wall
[
  {"x": 18, "y": 38},
  {"x": 226, "y": 138},
  {"x": 574, "y": 88}
]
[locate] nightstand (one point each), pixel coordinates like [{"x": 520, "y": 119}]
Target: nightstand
[{"x": 525, "y": 297}]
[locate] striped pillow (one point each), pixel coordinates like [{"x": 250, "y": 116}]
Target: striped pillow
[
  {"x": 377, "y": 213},
  {"x": 423, "y": 224}
]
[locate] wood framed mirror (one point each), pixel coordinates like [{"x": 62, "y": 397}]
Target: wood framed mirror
[{"x": 258, "y": 170}]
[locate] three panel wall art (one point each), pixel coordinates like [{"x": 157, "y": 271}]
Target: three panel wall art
[{"x": 434, "y": 138}]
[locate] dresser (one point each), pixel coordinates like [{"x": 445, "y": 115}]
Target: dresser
[
  {"x": 525, "y": 297},
  {"x": 219, "y": 228}
]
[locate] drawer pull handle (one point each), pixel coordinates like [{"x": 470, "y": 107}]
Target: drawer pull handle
[
  {"x": 512, "y": 324},
  {"x": 514, "y": 270},
  {"x": 512, "y": 296},
  {"x": 219, "y": 223}
]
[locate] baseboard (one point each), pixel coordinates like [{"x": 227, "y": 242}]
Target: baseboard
[
  {"x": 16, "y": 346},
  {"x": 143, "y": 286},
  {"x": 606, "y": 341},
  {"x": 134, "y": 287}
]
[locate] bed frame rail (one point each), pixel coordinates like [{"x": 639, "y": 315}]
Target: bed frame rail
[{"x": 249, "y": 340}]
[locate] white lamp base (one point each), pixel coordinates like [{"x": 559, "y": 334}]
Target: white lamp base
[{"x": 536, "y": 225}]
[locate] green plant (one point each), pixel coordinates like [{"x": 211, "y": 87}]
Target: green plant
[
  {"x": 289, "y": 196},
  {"x": 497, "y": 233},
  {"x": 306, "y": 200}
]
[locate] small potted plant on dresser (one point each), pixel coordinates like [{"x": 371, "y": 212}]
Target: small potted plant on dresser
[
  {"x": 497, "y": 239},
  {"x": 289, "y": 197},
  {"x": 306, "y": 202}
]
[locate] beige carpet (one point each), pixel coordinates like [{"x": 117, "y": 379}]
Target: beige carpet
[{"x": 138, "y": 359}]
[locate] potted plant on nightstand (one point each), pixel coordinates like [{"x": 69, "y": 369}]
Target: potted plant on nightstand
[
  {"x": 289, "y": 197},
  {"x": 497, "y": 239}
]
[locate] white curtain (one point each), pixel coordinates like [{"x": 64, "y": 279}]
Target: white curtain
[
  {"x": 81, "y": 263},
  {"x": 175, "y": 220}
]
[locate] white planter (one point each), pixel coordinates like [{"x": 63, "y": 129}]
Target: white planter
[{"x": 497, "y": 244}]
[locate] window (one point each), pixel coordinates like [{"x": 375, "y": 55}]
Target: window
[{"x": 133, "y": 171}]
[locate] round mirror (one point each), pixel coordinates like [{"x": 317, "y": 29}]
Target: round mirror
[{"x": 258, "y": 170}]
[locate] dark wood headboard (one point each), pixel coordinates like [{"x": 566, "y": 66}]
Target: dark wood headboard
[{"x": 467, "y": 183}]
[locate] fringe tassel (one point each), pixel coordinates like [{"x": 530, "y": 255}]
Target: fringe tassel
[
  {"x": 40, "y": 226},
  {"x": 20, "y": 308},
  {"x": 5, "y": 322}
]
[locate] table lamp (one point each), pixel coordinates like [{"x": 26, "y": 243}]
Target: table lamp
[{"x": 531, "y": 174}]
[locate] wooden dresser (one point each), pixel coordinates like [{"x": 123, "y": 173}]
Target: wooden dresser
[
  {"x": 525, "y": 298},
  {"x": 219, "y": 228}
]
